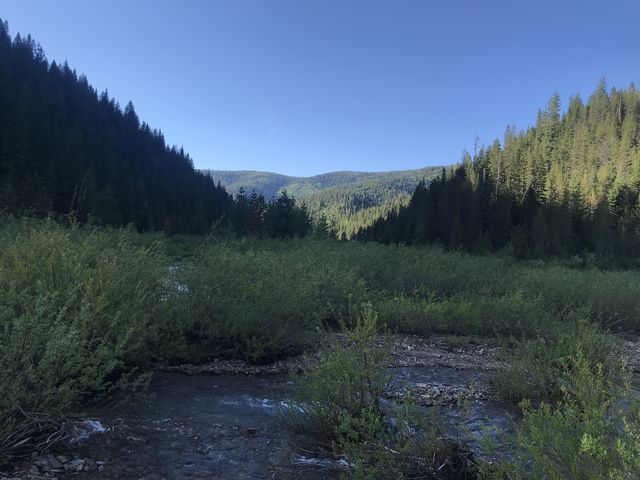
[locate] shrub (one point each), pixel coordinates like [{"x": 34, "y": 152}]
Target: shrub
[
  {"x": 338, "y": 401},
  {"x": 592, "y": 432},
  {"x": 465, "y": 314},
  {"x": 607, "y": 297},
  {"x": 256, "y": 303},
  {"x": 338, "y": 394},
  {"x": 539, "y": 368},
  {"x": 412, "y": 446},
  {"x": 76, "y": 313}
]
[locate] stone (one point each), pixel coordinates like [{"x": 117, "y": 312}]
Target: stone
[
  {"x": 76, "y": 465},
  {"x": 55, "y": 463}
]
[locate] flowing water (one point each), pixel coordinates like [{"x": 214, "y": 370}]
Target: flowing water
[{"x": 229, "y": 427}]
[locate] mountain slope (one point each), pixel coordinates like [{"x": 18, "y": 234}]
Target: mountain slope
[
  {"x": 349, "y": 200},
  {"x": 67, "y": 150},
  {"x": 570, "y": 185}
]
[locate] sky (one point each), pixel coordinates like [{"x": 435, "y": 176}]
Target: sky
[{"x": 309, "y": 86}]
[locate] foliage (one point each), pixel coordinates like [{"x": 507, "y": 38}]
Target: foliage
[
  {"x": 77, "y": 309},
  {"x": 81, "y": 308},
  {"x": 592, "y": 432},
  {"x": 307, "y": 283},
  {"x": 568, "y": 186},
  {"x": 66, "y": 149},
  {"x": 466, "y": 314},
  {"x": 412, "y": 446},
  {"x": 338, "y": 401},
  {"x": 538, "y": 369},
  {"x": 258, "y": 300},
  {"x": 338, "y": 394}
]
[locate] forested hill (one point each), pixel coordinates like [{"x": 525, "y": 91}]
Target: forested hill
[
  {"x": 66, "y": 149},
  {"x": 567, "y": 186},
  {"x": 348, "y": 200}
]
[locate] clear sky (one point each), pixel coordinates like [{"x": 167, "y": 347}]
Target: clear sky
[{"x": 303, "y": 87}]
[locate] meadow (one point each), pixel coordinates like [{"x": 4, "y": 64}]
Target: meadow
[{"x": 86, "y": 312}]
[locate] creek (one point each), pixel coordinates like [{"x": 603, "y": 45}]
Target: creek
[{"x": 230, "y": 427}]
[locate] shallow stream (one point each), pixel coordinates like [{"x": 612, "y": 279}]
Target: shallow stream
[{"x": 228, "y": 427}]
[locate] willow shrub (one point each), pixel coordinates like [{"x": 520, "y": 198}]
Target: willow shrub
[
  {"x": 465, "y": 314},
  {"x": 540, "y": 368},
  {"x": 591, "y": 432},
  {"x": 77, "y": 313},
  {"x": 338, "y": 395},
  {"x": 256, "y": 300}
]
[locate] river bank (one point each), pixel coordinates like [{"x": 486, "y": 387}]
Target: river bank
[{"x": 222, "y": 419}]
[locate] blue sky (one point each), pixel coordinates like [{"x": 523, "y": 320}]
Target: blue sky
[{"x": 303, "y": 87}]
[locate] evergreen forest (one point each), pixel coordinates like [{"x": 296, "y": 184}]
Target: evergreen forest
[{"x": 569, "y": 185}]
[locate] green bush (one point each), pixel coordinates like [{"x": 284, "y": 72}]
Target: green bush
[
  {"x": 464, "y": 314},
  {"x": 412, "y": 446},
  {"x": 592, "y": 432},
  {"x": 538, "y": 369},
  {"x": 607, "y": 297},
  {"x": 338, "y": 401},
  {"x": 256, "y": 302},
  {"x": 338, "y": 394},
  {"x": 76, "y": 314}
]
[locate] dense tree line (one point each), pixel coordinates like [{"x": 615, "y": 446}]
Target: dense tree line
[
  {"x": 348, "y": 209},
  {"x": 66, "y": 149},
  {"x": 567, "y": 186},
  {"x": 281, "y": 217},
  {"x": 348, "y": 201}
]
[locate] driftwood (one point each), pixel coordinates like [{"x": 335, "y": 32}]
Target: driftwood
[{"x": 28, "y": 433}]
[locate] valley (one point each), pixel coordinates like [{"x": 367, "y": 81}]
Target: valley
[
  {"x": 349, "y": 201},
  {"x": 161, "y": 318}
]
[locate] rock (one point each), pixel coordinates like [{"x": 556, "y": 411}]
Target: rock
[
  {"x": 55, "y": 463},
  {"x": 42, "y": 465},
  {"x": 251, "y": 431},
  {"x": 76, "y": 465}
]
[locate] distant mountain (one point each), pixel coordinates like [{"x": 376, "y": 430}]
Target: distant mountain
[{"x": 349, "y": 200}]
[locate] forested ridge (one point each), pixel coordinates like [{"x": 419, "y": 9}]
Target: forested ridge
[
  {"x": 568, "y": 185},
  {"x": 65, "y": 149},
  {"x": 346, "y": 201}
]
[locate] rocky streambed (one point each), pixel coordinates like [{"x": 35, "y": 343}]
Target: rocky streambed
[{"x": 222, "y": 420}]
